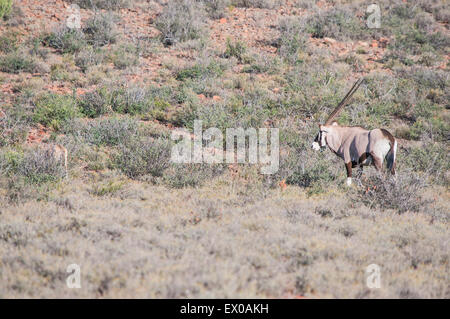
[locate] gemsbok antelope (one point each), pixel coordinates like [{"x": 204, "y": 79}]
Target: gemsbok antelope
[{"x": 356, "y": 145}]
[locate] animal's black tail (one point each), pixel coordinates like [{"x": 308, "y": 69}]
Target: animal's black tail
[{"x": 391, "y": 156}]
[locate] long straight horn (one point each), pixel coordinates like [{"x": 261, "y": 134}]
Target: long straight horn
[{"x": 344, "y": 101}]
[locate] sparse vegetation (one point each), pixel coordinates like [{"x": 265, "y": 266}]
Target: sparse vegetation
[
  {"x": 102, "y": 4},
  {"x": 100, "y": 30},
  {"x": 181, "y": 20},
  {"x": 53, "y": 110},
  {"x": 17, "y": 61},
  {"x": 5, "y": 7},
  {"x": 139, "y": 158},
  {"x": 401, "y": 193},
  {"x": 114, "y": 91},
  {"x": 65, "y": 40}
]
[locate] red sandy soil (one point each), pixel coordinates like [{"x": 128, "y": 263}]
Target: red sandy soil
[{"x": 255, "y": 27}]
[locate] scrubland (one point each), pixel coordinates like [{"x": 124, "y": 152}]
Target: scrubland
[{"x": 140, "y": 226}]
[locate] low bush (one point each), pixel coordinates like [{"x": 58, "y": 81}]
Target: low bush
[
  {"x": 119, "y": 98},
  {"x": 65, "y": 40},
  {"x": 107, "y": 188},
  {"x": 88, "y": 57},
  {"x": 429, "y": 159},
  {"x": 102, "y": 4},
  {"x": 191, "y": 175},
  {"x": 402, "y": 193},
  {"x": 39, "y": 167},
  {"x": 216, "y": 8},
  {"x": 95, "y": 103},
  {"x": 8, "y": 42},
  {"x": 100, "y": 30},
  {"x": 141, "y": 157},
  {"x": 339, "y": 23},
  {"x": 264, "y": 4},
  {"x": 106, "y": 132},
  {"x": 35, "y": 165},
  {"x": 53, "y": 110},
  {"x": 201, "y": 70},
  {"x": 314, "y": 173},
  {"x": 5, "y": 8},
  {"x": 237, "y": 50},
  {"x": 293, "y": 38},
  {"x": 17, "y": 61},
  {"x": 125, "y": 56},
  {"x": 13, "y": 130},
  {"x": 181, "y": 20}
]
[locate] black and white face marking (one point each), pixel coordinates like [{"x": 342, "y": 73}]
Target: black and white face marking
[{"x": 319, "y": 141}]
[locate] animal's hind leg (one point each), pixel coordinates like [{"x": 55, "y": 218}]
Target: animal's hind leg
[
  {"x": 348, "y": 166},
  {"x": 377, "y": 161}
]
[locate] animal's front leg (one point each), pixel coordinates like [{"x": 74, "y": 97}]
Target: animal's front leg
[{"x": 348, "y": 166}]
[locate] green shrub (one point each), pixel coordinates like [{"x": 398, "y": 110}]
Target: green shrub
[
  {"x": 181, "y": 20},
  {"x": 100, "y": 30},
  {"x": 65, "y": 40},
  {"x": 338, "y": 23},
  {"x": 402, "y": 193},
  {"x": 124, "y": 57},
  {"x": 17, "y": 61},
  {"x": 38, "y": 167},
  {"x": 265, "y": 4},
  {"x": 293, "y": 38},
  {"x": 102, "y": 4},
  {"x": 10, "y": 161},
  {"x": 190, "y": 175},
  {"x": 88, "y": 57},
  {"x": 130, "y": 100},
  {"x": 8, "y": 42},
  {"x": 13, "y": 130},
  {"x": 106, "y": 189},
  {"x": 35, "y": 166},
  {"x": 216, "y": 8},
  {"x": 237, "y": 50},
  {"x": 138, "y": 158},
  {"x": 96, "y": 102},
  {"x": 106, "y": 132},
  {"x": 5, "y": 8},
  {"x": 414, "y": 41},
  {"x": 213, "y": 69},
  {"x": 119, "y": 98},
  {"x": 53, "y": 110},
  {"x": 429, "y": 159},
  {"x": 313, "y": 173}
]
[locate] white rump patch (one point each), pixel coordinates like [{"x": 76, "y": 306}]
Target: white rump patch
[{"x": 381, "y": 148}]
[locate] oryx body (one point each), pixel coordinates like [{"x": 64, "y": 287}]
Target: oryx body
[{"x": 356, "y": 145}]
